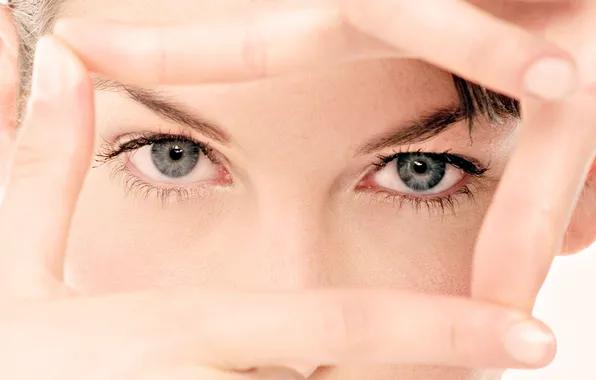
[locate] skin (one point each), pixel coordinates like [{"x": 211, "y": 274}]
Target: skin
[
  {"x": 260, "y": 48},
  {"x": 286, "y": 223}
]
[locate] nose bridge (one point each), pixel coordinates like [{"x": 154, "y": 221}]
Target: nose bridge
[{"x": 290, "y": 236}]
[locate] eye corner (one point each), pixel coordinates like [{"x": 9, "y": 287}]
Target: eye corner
[
  {"x": 165, "y": 165},
  {"x": 454, "y": 176}
]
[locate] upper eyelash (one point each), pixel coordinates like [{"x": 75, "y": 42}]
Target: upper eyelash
[
  {"x": 138, "y": 140},
  {"x": 440, "y": 204},
  {"x": 111, "y": 150},
  {"x": 135, "y": 141},
  {"x": 469, "y": 166}
]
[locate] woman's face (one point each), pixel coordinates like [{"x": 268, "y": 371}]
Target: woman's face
[{"x": 307, "y": 181}]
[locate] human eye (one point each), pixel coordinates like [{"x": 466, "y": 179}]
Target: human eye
[
  {"x": 165, "y": 165},
  {"x": 434, "y": 180}
]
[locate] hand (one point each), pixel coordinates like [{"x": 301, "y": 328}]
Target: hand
[
  {"x": 526, "y": 225},
  {"x": 548, "y": 176},
  {"x": 49, "y": 331},
  {"x": 259, "y": 40}
]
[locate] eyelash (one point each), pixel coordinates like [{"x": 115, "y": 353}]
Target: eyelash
[
  {"x": 133, "y": 184},
  {"x": 111, "y": 151},
  {"x": 440, "y": 204}
]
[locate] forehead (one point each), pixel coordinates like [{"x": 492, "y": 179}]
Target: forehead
[
  {"x": 355, "y": 101},
  {"x": 359, "y": 100}
]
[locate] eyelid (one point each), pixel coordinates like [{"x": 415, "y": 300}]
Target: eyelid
[
  {"x": 136, "y": 182},
  {"x": 136, "y": 140},
  {"x": 469, "y": 165}
]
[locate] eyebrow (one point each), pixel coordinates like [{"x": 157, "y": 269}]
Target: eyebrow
[
  {"x": 166, "y": 108},
  {"x": 418, "y": 130}
]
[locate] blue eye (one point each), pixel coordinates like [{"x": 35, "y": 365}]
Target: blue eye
[
  {"x": 174, "y": 161},
  {"x": 175, "y": 158},
  {"x": 167, "y": 166},
  {"x": 420, "y": 172}
]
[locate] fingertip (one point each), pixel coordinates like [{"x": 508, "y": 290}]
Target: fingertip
[
  {"x": 68, "y": 28},
  {"x": 530, "y": 343},
  {"x": 551, "y": 78}
]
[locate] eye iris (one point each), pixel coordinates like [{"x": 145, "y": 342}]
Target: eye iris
[
  {"x": 419, "y": 171},
  {"x": 175, "y": 159}
]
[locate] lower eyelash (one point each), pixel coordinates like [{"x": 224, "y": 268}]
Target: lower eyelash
[
  {"x": 435, "y": 206},
  {"x": 117, "y": 152},
  {"x": 439, "y": 205},
  {"x": 143, "y": 190}
]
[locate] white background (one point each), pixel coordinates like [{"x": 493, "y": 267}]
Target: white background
[{"x": 567, "y": 304}]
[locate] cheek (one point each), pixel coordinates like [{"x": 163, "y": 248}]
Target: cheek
[
  {"x": 122, "y": 244},
  {"x": 409, "y": 249},
  {"x": 126, "y": 243}
]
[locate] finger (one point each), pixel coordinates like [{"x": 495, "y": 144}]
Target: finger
[
  {"x": 526, "y": 224},
  {"x": 9, "y": 89},
  {"x": 204, "y": 373},
  {"x": 252, "y": 42},
  {"x": 239, "y": 331},
  {"x": 463, "y": 39},
  {"x": 6, "y": 146},
  {"x": 541, "y": 1},
  {"x": 53, "y": 154},
  {"x": 266, "y": 41}
]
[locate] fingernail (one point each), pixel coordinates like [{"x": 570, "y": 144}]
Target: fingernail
[
  {"x": 530, "y": 343},
  {"x": 551, "y": 78},
  {"x": 52, "y": 69}
]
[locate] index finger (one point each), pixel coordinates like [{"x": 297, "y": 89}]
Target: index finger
[
  {"x": 265, "y": 40},
  {"x": 525, "y": 226}
]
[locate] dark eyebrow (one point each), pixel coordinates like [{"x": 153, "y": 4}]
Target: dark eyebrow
[
  {"x": 421, "y": 129},
  {"x": 166, "y": 108}
]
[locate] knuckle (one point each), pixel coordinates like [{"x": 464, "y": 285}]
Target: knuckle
[
  {"x": 478, "y": 53},
  {"x": 454, "y": 338},
  {"x": 254, "y": 51},
  {"x": 347, "y": 324},
  {"x": 160, "y": 61},
  {"x": 28, "y": 163},
  {"x": 496, "y": 55},
  {"x": 32, "y": 162},
  {"x": 534, "y": 224},
  {"x": 469, "y": 337},
  {"x": 461, "y": 338}
]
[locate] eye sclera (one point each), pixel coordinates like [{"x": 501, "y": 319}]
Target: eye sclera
[
  {"x": 124, "y": 146},
  {"x": 136, "y": 180},
  {"x": 221, "y": 176},
  {"x": 367, "y": 183},
  {"x": 472, "y": 180}
]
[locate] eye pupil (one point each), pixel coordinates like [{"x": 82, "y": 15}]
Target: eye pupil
[
  {"x": 176, "y": 153},
  {"x": 420, "y": 167}
]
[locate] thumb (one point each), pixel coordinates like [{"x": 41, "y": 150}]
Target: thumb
[{"x": 52, "y": 156}]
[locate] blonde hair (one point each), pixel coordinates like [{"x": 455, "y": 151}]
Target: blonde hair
[{"x": 32, "y": 18}]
